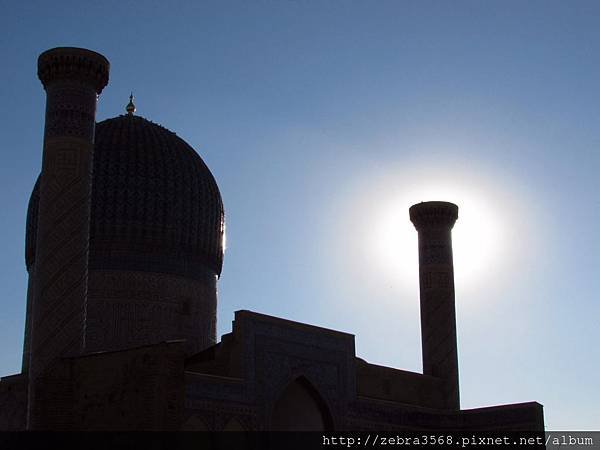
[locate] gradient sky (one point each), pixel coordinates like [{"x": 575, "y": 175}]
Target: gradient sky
[{"x": 322, "y": 121}]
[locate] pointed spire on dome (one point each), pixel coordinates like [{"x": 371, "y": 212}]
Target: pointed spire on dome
[{"x": 130, "y": 108}]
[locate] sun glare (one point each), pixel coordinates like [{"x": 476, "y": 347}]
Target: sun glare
[
  {"x": 477, "y": 237},
  {"x": 379, "y": 244}
]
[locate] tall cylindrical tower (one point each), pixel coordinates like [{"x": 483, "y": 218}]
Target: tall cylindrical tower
[
  {"x": 434, "y": 222},
  {"x": 73, "y": 78},
  {"x": 156, "y": 238}
]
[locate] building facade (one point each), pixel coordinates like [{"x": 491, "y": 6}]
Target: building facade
[{"x": 124, "y": 247}]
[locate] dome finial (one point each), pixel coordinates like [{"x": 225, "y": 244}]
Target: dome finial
[{"x": 130, "y": 108}]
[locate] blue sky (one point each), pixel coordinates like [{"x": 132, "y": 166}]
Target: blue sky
[{"x": 322, "y": 121}]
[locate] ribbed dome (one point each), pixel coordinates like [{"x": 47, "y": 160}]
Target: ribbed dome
[{"x": 155, "y": 205}]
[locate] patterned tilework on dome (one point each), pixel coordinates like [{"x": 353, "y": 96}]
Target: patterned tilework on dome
[{"x": 155, "y": 205}]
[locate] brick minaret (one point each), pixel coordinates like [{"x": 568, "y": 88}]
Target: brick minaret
[
  {"x": 73, "y": 78},
  {"x": 434, "y": 222}
]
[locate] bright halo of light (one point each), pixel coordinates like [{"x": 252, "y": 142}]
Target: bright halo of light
[{"x": 478, "y": 236}]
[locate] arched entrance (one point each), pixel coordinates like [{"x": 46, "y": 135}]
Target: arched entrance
[{"x": 300, "y": 407}]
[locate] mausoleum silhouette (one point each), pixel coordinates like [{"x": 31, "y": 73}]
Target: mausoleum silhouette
[{"x": 124, "y": 247}]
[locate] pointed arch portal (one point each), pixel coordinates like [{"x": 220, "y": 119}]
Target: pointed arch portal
[{"x": 300, "y": 407}]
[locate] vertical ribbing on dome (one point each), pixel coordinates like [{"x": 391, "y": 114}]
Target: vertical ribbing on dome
[
  {"x": 153, "y": 199},
  {"x": 163, "y": 192},
  {"x": 155, "y": 247}
]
